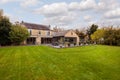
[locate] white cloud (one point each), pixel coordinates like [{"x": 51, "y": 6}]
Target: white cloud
[
  {"x": 60, "y": 20},
  {"x": 57, "y": 14},
  {"x": 13, "y": 18},
  {"x": 108, "y": 22},
  {"x": 7, "y": 1},
  {"x": 83, "y": 5},
  {"x": 74, "y": 6},
  {"x": 67, "y": 13},
  {"x": 91, "y": 22},
  {"x": 101, "y": 6},
  {"x": 28, "y": 3},
  {"x": 23, "y": 3},
  {"x": 62, "y": 7},
  {"x": 87, "y": 4},
  {"x": 64, "y": 13},
  {"x": 105, "y": 5},
  {"x": 113, "y": 13},
  {"x": 87, "y": 18},
  {"x": 53, "y": 9}
]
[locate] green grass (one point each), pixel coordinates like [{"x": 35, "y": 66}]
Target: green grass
[{"x": 44, "y": 63}]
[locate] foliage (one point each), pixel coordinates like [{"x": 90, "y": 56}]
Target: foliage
[
  {"x": 108, "y": 36},
  {"x": 91, "y": 30},
  {"x": 81, "y": 35},
  {"x": 5, "y": 27},
  {"x": 98, "y": 35},
  {"x": 18, "y": 34},
  {"x": 112, "y": 36}
]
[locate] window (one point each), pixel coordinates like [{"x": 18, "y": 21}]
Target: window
[
  {"x": 66, "y": 39},
  {"x": 48, "y": 33},
  {"x": 39, "y": 32},
  {"x": 71, "y": 33},
  {"x": 30, "y": 31}
]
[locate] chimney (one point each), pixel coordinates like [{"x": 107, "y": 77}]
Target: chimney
[
  {"x": 1, "y": 12},
  {"x": 22, "y": 21},
  {"x": 49, "y": 26}
]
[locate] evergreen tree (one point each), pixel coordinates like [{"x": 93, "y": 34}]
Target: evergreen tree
[
  {"x": 5, "y": 28},
  {"x": 91, "y": 30}
]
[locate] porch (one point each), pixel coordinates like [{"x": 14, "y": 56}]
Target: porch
[
  {"x": 31, "y": 41},
  {"x": 46, "y": 40},
  {"x": 65, "y": 41}
]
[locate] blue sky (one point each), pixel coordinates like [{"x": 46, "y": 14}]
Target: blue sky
[{"x": 64, "y": 13}]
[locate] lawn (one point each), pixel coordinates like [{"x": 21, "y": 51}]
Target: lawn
[{"x": 45, "y": 63}]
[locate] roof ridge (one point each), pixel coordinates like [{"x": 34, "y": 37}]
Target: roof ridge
[{"x": 35, "y": 24}]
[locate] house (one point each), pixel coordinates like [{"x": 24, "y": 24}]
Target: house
[
  {"x": 66, "y": 38},
  {"x": 42, "y": 34},
  {"x": 39, "y": 34}
]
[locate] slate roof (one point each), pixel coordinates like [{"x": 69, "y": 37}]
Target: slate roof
[
  {"x": 62, "y": 33},
  {"x": 35, "y": 26}
]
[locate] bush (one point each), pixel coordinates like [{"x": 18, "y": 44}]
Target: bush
[{"x": 18, "y": 34}]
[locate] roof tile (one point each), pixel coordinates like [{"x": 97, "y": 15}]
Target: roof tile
[{"x": 35, "y": 26}]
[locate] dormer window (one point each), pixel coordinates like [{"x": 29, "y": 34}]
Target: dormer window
[
  {"x": 71, "y": 33},
  {"x": 48, "y": 33},
  {"x": 39, "y": 32},
  {"x": 30, "y": 31}
]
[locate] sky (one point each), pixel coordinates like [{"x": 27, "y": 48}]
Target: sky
[{"x": 68, "y": 14}]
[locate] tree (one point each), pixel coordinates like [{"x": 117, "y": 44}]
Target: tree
[
  {"x": 5, "y": 28},
  {"x": 117, "y": 36},
  {"x": 81, "y": 35},
  {"x": 18, "y": 34},
  {"x": 107, "y": 36},
  {"x": 112, "y": 36},
  {"x": 91, "y": 30},
  {"x": 98, "y": 36},
  {"x": 58, "y": 29}
]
